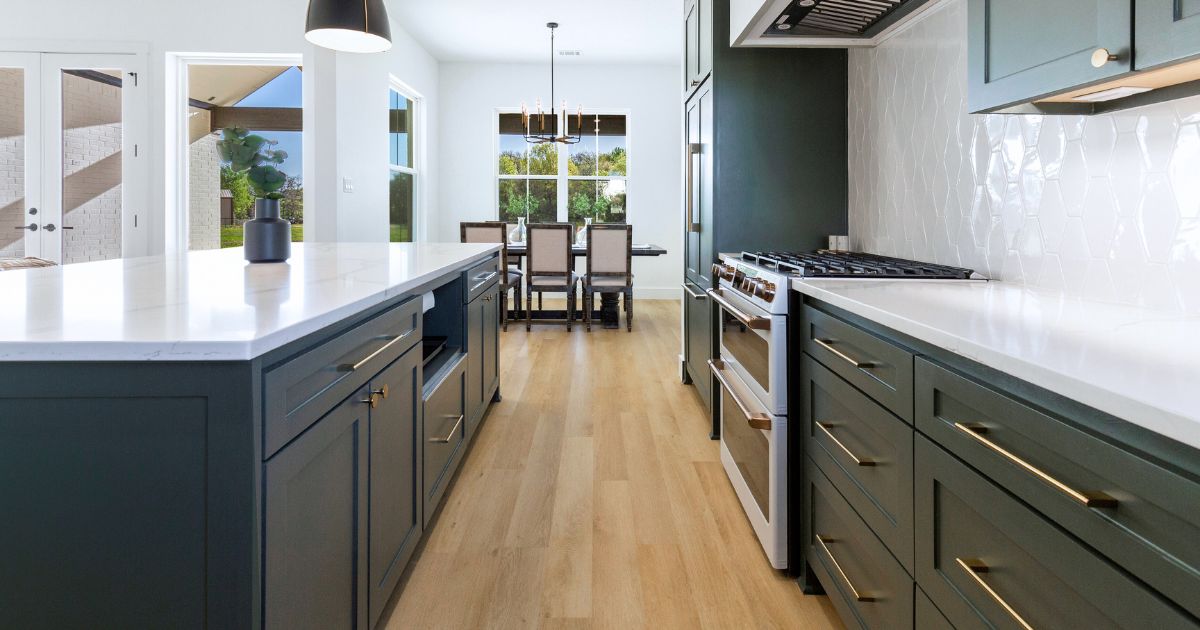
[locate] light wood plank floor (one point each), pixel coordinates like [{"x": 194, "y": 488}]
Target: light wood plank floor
[{"x": 594, "y": 498}]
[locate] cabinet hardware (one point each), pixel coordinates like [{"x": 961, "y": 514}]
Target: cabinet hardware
[
  {"x": 974, "y": 567},
  {"x": 351, "y": 367},
  {"x": 759, "y": 421},
  {"x": 1101, "y": 56},
  {"x": 824, "y": 541},
  {"x": 1088, "y": 499},
  {"x": 861, "y": 461},
  {"x": 695, "y": 82},
  {"x": 693, "y": 151},
  {"x": 372, "y": 401},
  {"x": 484, "y": 278},
  {"x": 692, "y": 294},
  {"x": 828, "y": 345},
  {"x": 382, "y": 392},
  {"x": 446, "y": 440},
  {"x": 753, "y": 323}
]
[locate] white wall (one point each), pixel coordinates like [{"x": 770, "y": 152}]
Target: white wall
[
  {"x": 347, "y": 94},
  {"x": 1105, "y": 207},
  {"x": 469, "y": 96}
]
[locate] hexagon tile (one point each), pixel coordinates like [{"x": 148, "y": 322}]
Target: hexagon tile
[{"x": 1104, "y": 207}]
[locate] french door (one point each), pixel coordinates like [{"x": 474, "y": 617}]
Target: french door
[{"x": 72, "y": 156}]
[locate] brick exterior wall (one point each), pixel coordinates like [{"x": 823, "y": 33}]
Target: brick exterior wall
[
  {"x": 204, "y": 194},
  {"x": 12, "y": 162},
  {"x": 91, "y": 170}
]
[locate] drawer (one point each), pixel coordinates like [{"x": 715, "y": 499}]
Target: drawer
[
  {"x": 876, "y": 366},
  {"x": 479, "y": 278},
  {"x": 866, "y": 452},
  {"x": 928, "y": 617},
  {"x": 864, "y": 582},
  {"x": 987, "y": 560},
  {"x": 299, "y": 391},
  {"x": 1142, "y": 516},
  {"x": 443, "y": 433}
]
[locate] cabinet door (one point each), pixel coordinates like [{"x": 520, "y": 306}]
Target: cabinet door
[
  {"x": 698, "y": 344},
  {"x": 490, "y": 331},
  {"x": 1165, "y": 31},
  {"x": 316, "y": 524},
  {"x": 691, "y": 46},
  {"x": 475, "y": 360},
  {"x": 1021, "y": 50},
  {"x": 699, "y": 180},
  {"x": 704, "y": 51},
  {"x": 395, "y": 524}
]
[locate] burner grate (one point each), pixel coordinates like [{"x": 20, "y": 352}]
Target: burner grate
[{"x": 826, "y": 264}]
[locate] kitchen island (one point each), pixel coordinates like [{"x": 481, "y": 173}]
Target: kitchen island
[{"x": 190, "y": 441}]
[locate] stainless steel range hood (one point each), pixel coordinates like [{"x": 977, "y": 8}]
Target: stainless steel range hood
[{"x": 806, "y": 23}]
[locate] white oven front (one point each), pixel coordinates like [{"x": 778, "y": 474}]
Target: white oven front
[{"x": 753, "y": 344}]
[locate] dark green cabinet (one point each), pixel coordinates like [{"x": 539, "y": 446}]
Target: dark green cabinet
[
  {"x": 1165, "y": 31},
  {"x": 483, "y": 316},
  {"x": 316, "y": 524},
  {"x": 698, "y": 43},
  {"x": 698, "y": 248},
  {"x": 395, "y": 523},
  {"x": 1022, "y": 50},
  {"x": 698, "y": 342}
]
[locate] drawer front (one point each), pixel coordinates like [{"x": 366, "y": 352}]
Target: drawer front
[
  {"x": 299, "y": 391},
  {"x": 864, "y": 582},
  {"x": 876, "y": 366},
  {"x": 444, "y": 432},
  {"x": 479, "y": 278},
  {"x": 928, "y": 616},
  {"x": 1142, "y": 516},
  {"x": 987, "y": 560},
  {"x": 866, "y": 452}
]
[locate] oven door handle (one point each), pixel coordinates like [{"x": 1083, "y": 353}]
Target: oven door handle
[
  {"x": 756, "y": 420},
  {"x": 751, "y": 322}
]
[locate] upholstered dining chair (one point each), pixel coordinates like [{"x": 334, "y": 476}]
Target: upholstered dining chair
[
  {"x": 609, "y": 267},
  {"x": 551, "y": 267},
  {"x": 495, "y": 232}
]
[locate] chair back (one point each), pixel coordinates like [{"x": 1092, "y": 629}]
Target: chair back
[
  {"x": 486, "y": 232},
  {"x": 610, "y": 251},
  {"x": 549, "y": 249}
]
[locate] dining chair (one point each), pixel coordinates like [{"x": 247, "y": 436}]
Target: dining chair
[
  {"x": 609, "y": 267},
  {"x": 550, "y": 266},
  {"x": 495, "y": 232}
]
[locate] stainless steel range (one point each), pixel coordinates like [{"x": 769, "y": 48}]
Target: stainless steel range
[{"x": 751, "y": 290}]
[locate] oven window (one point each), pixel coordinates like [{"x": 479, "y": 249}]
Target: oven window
[
  {"x": 750, "y": 450},
  {"x": 748, "y": 348}
]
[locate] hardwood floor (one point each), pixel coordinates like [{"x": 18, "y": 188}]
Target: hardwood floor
[{"x": 594, "y": 498}]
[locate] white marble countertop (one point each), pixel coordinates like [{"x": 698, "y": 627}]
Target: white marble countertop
[
  {"x": 1141, "y": 365},
  {"x": 207, "y": 305}
]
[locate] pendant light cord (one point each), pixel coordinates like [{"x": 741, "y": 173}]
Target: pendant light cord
[{"x": 553, "y": 103}]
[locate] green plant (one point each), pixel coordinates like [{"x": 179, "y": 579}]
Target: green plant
[{"x": 253, "y": 155}]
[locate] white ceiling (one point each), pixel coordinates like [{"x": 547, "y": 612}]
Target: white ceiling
[{"x": 605, "y": 31}]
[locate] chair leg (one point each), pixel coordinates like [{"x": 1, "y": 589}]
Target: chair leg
[
  {"x": 504, "y": 308},
  {"x": 539, "y": 300},
  {"x": 629, "y": 311},
  {"x": 528, "y": 309},
  {"x": 587, "y": 309},
  {"x": 570, "y": 307}
]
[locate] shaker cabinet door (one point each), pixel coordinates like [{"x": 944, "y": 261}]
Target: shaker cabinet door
[
  {"x": 691, "y": 46},
  {"x": 698, "y": 176},
  {"x": 1165, "y": 31},
  {"x": 1021, "y": 50},
  {"x": 316, "y": 524}
]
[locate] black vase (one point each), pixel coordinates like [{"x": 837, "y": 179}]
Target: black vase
[{"x": 267, "y": 238}]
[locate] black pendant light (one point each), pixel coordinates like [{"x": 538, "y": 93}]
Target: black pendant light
[{"x": 349, "y": 25}]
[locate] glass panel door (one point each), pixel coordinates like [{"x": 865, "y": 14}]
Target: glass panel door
[{"x": 19, "y": 155}]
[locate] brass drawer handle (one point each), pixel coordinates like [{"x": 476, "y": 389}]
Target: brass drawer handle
[
  {"x": 351, "y": 367},
  {"x": 861, "y": 461},
  {"x": 828, "y": 345},
  {"x": 1089, "y": 499},
  {"x": 974, "y": 567},
  {"x": 751, "y": 322},
  {"x": 1102, "y": 56},
  {"x": 446, "y": 440},
  {"x": 692, "y": 294},
  {"x": 756, "y": 420},
  {"x": 824, "y": 542}
]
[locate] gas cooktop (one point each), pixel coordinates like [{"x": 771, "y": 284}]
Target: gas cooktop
[{"x": 831, "y": 264}]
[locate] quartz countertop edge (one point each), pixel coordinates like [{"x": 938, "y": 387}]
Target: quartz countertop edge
[
  {"x": 1138, "y": 364},
  {"x": 208, "y": 305}
]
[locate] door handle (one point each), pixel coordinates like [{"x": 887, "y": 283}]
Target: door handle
[
  {"x": 450, "y": 435},
  {"x": 32, "y": 227},
  {"x": 756, "y": 420},
  {"x": 50, "y": 227},
  {"x": 692, "y": 294},
  {"x": 694, "y": 149},
  {"x": 751, "y": 322}
]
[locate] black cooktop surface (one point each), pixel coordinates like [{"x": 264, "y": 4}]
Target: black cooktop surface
[{"x": 829, "y": 264}]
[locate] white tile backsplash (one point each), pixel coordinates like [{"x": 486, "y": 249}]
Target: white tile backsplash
[{"x": 1106, "y": 207}]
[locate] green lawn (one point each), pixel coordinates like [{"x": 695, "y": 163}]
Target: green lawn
[
  {"x": 231, "y": 235},
  {"x": 400, "y": 234}
]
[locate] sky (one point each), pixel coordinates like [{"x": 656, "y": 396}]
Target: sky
[{"x": 283, "y": 91}]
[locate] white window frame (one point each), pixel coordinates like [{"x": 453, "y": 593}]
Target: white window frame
[
  {"x": 563, "y": 179},
  {"x": 418, "y": 159}
]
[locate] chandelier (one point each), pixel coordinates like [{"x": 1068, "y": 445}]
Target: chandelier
[{"x": 535, "y": 122}]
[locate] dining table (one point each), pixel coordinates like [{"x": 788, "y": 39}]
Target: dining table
[{"x": 608, "y": 314}]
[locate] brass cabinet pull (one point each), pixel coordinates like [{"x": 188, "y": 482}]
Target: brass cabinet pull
[
  {"x": 861, "y": 461},
  {"x": 692, "y": 294},
  {"x": 974, "y": 567},
  {"x": 382, "y": 392},
  {"x": 756, "y": 420},
  {"x": 446, "y": 440},
  {"x": 371, "y": 401},
  {"x": 485, "y": 278},
  {"x": 351, "y": 367},
  {"x": 751, "y": 322},
  {"x": 1101, "y": 56},
  {"x": 1089, "y": 499},
  {"x": 693, "y": 150},
  {"x": 828, "y": 345},
  {"x": 858, "y": 596}
]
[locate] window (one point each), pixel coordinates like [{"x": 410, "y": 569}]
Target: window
[
  {"x": 553, "y": 182},
  {"x": 403, "y": 162}
]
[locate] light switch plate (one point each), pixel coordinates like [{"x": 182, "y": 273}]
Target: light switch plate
[{"x": 347, "y": 185}]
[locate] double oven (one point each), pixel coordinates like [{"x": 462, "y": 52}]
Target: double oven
[{"x": 752, "y": 375}]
